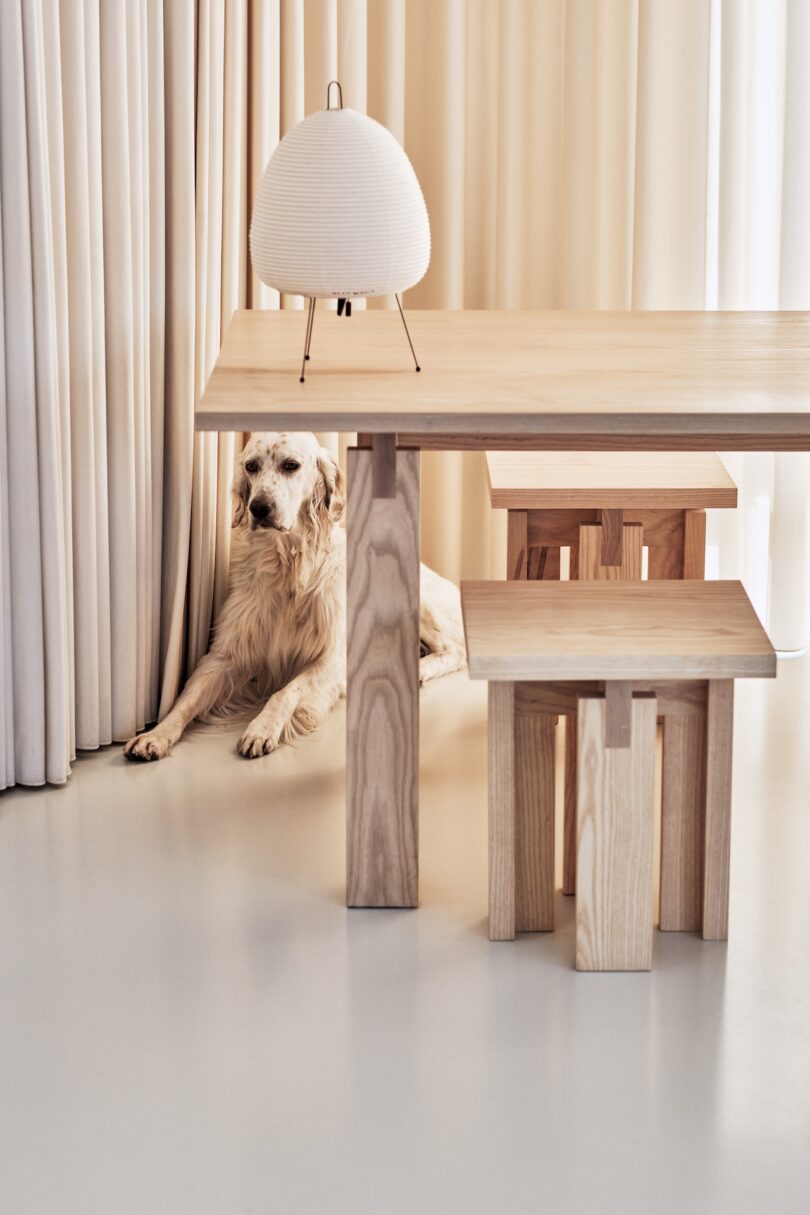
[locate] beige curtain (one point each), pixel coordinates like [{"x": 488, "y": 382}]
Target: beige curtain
[{"x": 573, "y": 153}]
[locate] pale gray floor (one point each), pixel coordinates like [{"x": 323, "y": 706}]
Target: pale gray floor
[{"x": 190, "y": 1021}]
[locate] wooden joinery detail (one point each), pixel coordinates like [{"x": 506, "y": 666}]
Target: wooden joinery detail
[
  {"x": 384, "y": 466},
  {"x": 612, "y": 522},
  {"x": 591, "y": 567}
]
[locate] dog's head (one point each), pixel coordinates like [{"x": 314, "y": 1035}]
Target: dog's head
[{"x": 284, "y": 480}]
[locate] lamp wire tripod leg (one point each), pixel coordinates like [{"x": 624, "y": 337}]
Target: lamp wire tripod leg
[
  {"x": 308, "y": 337},
  {"x": 407, "y": 334}
]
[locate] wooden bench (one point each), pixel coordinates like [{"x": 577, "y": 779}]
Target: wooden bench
[
  {"x": 602, "y": 510},
  {"x": 617, "y": 654}
]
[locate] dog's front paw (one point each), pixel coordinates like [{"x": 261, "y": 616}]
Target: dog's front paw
[
  {"x": 146, "y": 747},
  {"x": 257, "y": 740}
]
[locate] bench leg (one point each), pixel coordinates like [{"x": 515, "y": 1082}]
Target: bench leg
[
  {"x": 517, "y": 545},
  {"x": 694, "y": 544},
  {"x": 719, "y": 731},
  {"x": 682, "y": 813},
  {"x": 615, "y": 811},
  {"x": 501, "y": 734},
  {"x": 534, "y": 822}
]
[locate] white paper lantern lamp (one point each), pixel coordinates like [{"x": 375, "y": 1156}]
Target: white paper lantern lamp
[{"x": 340, "y": 214}]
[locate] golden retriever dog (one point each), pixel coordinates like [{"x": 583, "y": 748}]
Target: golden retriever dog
[{"x": 283, "y": 625}]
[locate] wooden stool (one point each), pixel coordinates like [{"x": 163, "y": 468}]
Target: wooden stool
[
  {"x": 605, "y": 507},
  {"x": 618, "y": 654}
]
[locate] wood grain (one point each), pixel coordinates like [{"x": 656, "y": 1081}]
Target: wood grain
[
  {"x": 501, "y": 745},
  {"x": 537, "y": 480},
  {"x": 694, "y": 544},
  {"x": 618, "y": 434},
  {"x": 555, "y": 528},
  {"x": 569, "y": 878},
  {"x": 384, "y": 466},
  {"x": 591, "y": 567},
  {"x": 615, "y": 808},
  {"x": 682, "y": 814},
  {"x": 554, "y": 698},
  {"x": 612, "y": 527},
  {"x": 728, "y": 379},
  {"x": 618, "y": 713},
  {"x": 680, "y": 697},
  {"x": 717, "y": 852},
  {"x": 613, "y": 630},
  {"x": 382, "y": 709},
  {"x": 517, "y": 547},
  {"x": 534, "y": 822},
  {"x": 544, "y": 563},
  {"x": 663, "y": 535}
]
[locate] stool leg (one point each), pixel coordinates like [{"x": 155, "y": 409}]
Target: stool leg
[
  {"x": 663, "y": 535},
  {"x": 501, "y": 733},
  {"x": 517, "y": 545},
  {"x": 615, "y": 811},
  {"x": 682, "y": 811},
  {"x": 694, "y": 544},
  {"x": 719, "y": 731},
  {"x": 534, "y": 822},
  {"x": 570, "y": 808}
]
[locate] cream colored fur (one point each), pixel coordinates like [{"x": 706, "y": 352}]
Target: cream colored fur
[{"x": 284, "y": 621}]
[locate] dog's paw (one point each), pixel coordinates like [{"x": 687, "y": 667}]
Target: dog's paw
[
  {"x": 256, "y": 741},
  {"x": 146, "y": 747}
]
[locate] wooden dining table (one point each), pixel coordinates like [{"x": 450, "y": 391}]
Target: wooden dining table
[{"x": 576, "y": 381}]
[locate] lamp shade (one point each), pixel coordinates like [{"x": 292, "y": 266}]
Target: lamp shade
[{"x": 339, "y": 211}]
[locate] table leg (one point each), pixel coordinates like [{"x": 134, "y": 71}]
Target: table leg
[{"x": 382, "y": 711}]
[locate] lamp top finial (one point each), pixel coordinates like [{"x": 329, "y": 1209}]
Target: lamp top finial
[{"x": 339, "y": 106}]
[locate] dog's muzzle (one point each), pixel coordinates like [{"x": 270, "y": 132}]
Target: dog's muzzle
[{"x": 261, "y": 512}]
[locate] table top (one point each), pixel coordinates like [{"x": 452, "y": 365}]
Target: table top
[
  {"x": 551, "y": 480},
  {"x": 613, "y": 630},
  {"x": 732, "y": 380}
]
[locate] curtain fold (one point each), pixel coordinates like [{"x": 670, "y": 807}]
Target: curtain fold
[{"x": 573, "y": 154}]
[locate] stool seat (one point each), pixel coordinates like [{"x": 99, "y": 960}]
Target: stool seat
[
  {"x": 551, "y": 480},
  {"x": 613, "y": 631}
]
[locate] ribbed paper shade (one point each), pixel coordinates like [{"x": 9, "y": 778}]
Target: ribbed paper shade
[{"x": 339, "y": 211}]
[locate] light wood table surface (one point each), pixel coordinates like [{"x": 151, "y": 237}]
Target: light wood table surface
[{"x": 577, "y": 381}]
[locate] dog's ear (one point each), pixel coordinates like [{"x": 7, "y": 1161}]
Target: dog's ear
[
  {"x": 240, "y": 491},
  {"x": 333, "y": 487}
]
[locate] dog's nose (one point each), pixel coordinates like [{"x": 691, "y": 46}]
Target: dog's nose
[{"x": 259, "y": 508}]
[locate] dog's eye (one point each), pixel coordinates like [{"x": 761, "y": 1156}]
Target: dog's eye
[
  {"x": 252, "y": 466},
  {"x": 290, "y": 466}
]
